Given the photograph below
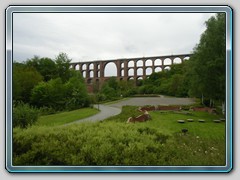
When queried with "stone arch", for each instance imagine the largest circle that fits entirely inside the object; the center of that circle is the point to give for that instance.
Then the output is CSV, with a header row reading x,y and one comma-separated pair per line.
x,y
122,72
177,60
91,74
130,78
157,69
122,65
149,62
84,67
167,68
140,63
139,81
131,64
91,66
149,71
158,62
186,58
98,66
98,73
131,72
110,69
167,61
89,81
140,71
77,67
84,74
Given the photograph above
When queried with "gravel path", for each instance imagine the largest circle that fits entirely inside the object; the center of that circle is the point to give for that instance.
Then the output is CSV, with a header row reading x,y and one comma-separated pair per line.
x,y
115,108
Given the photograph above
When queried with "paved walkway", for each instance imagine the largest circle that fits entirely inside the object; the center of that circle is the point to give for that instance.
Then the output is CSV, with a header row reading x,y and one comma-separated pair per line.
x,y
161,100
107,111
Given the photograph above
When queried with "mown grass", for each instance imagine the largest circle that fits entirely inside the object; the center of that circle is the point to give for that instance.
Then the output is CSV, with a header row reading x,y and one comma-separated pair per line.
x,y
65,117
158,141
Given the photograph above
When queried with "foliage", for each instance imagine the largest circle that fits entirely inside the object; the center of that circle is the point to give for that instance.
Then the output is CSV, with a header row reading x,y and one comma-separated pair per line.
x,y
114,142
57,95
76,92
24,79
49,94
208,62
63,66
45,66
173,82
24,115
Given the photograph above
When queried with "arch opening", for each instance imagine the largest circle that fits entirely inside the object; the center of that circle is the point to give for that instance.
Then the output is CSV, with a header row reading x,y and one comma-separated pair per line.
x,y
139,81
167,61
167,68
77,67
131,64
84,67
131,72
158,62
149,62
177,61
90,66
89,81
139,71
148,71
110,69
122,72
158,69
131,79
84,74
91,74
139,63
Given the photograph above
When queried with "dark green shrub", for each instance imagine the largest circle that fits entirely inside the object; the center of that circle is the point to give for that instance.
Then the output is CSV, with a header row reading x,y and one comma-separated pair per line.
x,y
24,115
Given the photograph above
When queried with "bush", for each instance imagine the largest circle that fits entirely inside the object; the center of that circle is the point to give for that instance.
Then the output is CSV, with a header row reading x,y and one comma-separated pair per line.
x,y
24,115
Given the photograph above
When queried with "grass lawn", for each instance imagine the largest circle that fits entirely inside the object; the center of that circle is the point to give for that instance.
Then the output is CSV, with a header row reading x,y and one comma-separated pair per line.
x,y
65,117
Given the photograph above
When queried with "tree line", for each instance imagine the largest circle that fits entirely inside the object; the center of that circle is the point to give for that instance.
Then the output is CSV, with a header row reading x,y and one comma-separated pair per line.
x,y
49,84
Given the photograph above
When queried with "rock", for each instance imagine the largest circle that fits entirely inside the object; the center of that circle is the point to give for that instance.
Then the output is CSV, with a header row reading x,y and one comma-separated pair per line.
x,y
201,120
180,121
217,121
190,120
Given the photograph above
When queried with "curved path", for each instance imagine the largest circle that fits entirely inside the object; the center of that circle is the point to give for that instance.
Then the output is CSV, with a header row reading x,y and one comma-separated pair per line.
x,y
113,109
105,112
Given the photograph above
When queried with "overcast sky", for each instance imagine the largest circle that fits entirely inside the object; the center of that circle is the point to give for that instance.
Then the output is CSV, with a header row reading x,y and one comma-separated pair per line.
x,y
102,36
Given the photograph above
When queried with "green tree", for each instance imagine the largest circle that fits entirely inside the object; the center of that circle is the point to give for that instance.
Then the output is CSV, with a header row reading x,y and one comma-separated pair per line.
x,y
209,61
63,66
45,66
49,94
24,80
76,92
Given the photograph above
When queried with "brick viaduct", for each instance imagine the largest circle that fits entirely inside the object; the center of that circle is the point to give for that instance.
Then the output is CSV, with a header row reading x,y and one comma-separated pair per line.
x,y
127,68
